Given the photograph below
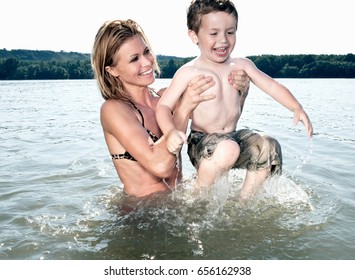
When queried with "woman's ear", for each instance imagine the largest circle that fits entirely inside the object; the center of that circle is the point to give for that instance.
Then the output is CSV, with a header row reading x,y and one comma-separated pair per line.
x,y
193,36
112,71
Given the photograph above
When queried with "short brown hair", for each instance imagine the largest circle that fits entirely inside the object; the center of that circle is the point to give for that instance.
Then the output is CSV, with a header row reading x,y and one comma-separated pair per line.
x,y
198,8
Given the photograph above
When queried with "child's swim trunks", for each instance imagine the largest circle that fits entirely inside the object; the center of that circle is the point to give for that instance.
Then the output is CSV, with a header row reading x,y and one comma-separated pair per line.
x,y
256,151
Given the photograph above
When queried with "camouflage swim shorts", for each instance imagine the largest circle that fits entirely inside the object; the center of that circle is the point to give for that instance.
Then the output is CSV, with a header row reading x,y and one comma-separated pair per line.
x,y
256,151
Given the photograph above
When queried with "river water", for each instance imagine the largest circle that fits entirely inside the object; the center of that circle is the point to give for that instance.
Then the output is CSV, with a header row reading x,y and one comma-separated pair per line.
x,y
60,195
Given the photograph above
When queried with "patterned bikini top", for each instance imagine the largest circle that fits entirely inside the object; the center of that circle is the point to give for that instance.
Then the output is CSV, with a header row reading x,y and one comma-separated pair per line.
x,y
127,155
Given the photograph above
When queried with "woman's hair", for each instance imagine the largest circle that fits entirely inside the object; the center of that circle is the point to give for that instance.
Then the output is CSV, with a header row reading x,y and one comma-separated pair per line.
x,y
108,40
198,8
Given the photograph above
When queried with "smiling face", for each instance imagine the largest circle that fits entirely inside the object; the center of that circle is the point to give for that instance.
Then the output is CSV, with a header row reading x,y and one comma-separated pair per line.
x,y
216,37
133,63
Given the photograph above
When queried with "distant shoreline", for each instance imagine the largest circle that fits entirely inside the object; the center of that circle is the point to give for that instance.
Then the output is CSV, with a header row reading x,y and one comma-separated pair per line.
x,y
47,65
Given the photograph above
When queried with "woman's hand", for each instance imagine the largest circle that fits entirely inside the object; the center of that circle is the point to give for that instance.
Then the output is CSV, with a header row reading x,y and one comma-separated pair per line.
x,y
189,100
193,93
240,81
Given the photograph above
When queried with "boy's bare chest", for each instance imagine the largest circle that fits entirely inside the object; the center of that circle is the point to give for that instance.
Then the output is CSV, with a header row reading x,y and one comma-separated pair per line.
x,y
223,90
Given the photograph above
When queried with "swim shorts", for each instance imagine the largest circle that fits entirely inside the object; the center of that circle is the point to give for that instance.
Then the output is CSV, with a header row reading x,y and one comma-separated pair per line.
x,y
257,151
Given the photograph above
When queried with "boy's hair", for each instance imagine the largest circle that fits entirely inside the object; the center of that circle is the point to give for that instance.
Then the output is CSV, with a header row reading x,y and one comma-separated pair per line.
x,y
198,8
108,40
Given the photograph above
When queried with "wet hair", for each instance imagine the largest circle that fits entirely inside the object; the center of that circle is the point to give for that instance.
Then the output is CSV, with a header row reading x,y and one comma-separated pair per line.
x,y
198,8
108,40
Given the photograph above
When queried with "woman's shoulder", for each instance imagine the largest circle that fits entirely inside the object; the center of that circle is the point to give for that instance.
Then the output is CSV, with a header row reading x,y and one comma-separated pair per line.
x,y
113,103
113,106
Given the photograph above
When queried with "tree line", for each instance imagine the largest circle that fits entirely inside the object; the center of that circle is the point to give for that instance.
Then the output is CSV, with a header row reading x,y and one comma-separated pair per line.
x,y
44,65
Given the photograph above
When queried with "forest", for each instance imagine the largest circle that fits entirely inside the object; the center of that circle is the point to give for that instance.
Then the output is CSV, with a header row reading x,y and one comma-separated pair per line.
x,y
46,65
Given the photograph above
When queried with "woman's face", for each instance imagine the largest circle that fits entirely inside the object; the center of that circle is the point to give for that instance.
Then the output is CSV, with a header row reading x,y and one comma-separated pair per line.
x,y
134,63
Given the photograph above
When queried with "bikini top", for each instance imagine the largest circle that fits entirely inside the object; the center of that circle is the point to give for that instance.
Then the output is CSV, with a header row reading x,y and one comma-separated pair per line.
x,y
127,155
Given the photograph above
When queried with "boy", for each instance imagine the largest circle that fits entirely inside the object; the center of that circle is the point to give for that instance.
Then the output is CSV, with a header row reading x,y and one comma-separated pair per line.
x,y
214,145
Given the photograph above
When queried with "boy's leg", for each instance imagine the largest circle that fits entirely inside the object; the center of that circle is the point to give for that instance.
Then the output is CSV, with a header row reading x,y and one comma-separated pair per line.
x,y
221,161
261,155
252,183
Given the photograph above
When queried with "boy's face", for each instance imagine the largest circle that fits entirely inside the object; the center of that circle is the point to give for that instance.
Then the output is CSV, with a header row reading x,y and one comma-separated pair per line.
x,y
217,36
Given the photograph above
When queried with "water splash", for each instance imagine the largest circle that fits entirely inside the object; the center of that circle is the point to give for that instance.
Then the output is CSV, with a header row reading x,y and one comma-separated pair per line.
x,y
284,191
200,220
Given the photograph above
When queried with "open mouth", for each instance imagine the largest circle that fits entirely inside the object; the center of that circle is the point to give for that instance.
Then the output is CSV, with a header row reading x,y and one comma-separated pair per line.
x,y
221,51
148,72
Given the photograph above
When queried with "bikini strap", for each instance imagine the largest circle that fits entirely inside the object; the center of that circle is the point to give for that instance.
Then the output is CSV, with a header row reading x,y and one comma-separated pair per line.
x,y
139,111
154,92
151,134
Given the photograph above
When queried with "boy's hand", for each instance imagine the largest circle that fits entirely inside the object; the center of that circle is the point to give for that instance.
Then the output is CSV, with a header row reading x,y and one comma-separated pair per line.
x,y
301,115
174,141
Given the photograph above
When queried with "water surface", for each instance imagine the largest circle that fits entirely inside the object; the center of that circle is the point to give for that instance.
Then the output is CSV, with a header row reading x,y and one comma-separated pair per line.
x,y
60,196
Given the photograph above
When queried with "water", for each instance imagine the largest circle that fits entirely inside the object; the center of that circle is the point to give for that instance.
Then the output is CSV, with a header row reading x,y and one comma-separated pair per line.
x,y
60,195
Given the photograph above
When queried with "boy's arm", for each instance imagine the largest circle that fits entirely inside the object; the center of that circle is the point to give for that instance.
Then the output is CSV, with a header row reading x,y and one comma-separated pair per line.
x,y
169,100
270,86
278,92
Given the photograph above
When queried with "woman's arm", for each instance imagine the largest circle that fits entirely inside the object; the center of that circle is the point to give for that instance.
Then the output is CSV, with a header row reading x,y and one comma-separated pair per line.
x,y
122,128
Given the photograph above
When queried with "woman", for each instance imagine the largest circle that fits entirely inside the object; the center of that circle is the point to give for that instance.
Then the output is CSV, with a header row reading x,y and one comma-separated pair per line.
x,y
125,67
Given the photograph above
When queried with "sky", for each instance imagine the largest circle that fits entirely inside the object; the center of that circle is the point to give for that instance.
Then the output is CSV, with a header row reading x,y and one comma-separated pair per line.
x,y
265,26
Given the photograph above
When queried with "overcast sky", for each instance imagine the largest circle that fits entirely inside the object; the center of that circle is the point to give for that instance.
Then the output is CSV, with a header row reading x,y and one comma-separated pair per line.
x,y
265,27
